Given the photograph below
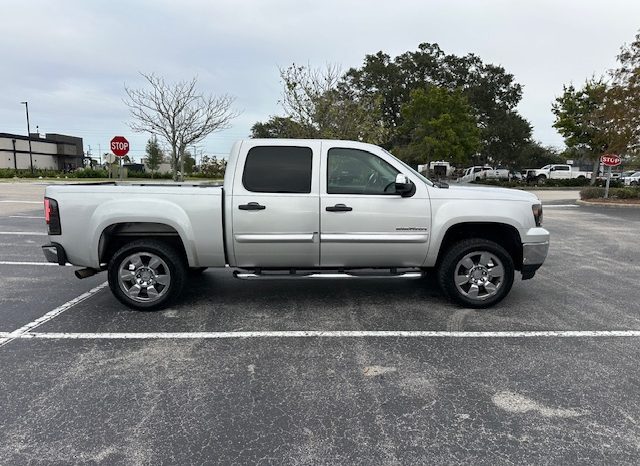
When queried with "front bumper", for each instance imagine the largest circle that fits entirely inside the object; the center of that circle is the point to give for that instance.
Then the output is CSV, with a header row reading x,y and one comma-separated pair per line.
x,y
533,256
55,253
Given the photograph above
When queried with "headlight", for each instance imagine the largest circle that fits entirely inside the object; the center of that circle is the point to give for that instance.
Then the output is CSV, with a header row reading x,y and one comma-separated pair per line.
x,y
537,214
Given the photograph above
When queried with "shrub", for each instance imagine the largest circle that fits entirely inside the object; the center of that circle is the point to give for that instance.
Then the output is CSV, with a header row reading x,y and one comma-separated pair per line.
x,y
88,173
614,193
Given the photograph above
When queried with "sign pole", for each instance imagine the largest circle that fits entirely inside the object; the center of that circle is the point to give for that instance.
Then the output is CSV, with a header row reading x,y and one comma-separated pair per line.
x,y
606,189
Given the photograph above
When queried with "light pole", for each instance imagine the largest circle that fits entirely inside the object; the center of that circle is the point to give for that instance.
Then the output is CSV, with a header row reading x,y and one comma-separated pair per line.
x,y
26,106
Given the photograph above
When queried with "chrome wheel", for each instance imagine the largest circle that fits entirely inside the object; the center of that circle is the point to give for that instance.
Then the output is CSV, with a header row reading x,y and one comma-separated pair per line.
x,y
144,277
479,275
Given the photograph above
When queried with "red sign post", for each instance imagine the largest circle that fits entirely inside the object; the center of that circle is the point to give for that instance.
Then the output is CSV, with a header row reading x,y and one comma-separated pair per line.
x,y
609,160
119,146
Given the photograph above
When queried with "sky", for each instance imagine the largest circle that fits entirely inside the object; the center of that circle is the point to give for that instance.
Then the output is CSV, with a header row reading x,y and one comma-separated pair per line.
x,y
70,59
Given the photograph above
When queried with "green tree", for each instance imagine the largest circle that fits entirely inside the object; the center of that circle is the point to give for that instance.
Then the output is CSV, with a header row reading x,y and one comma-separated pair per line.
x,y
316,106
491,92
281,127
579,119
154,155
438,124
189,163
505,142
535,155
211,167
603,115
625,96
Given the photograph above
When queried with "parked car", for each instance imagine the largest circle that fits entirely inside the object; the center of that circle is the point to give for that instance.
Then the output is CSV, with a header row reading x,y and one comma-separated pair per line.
x,y
298,209
626,174
633,179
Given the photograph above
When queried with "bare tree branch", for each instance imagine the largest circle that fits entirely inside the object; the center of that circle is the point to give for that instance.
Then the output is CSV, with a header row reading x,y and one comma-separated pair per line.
x,y
177,113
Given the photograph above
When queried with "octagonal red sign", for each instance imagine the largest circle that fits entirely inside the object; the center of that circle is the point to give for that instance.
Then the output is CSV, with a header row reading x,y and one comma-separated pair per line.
x,y
610,160
119,146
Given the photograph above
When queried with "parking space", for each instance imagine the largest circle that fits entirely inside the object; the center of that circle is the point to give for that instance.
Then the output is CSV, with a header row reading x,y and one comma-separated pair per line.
x,y
180,393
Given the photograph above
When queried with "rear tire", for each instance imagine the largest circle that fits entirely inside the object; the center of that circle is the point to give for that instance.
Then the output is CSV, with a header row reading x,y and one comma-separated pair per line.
x,y
146,275
476,273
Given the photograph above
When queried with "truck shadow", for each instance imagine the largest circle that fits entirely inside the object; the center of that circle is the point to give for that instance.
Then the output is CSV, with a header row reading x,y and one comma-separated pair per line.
x,y
314,304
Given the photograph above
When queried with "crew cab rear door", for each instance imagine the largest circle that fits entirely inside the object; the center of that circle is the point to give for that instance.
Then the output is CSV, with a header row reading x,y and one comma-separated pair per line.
x,y
275,204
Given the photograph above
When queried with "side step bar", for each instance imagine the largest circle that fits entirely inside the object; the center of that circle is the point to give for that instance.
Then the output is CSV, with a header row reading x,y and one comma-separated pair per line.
x,y
264,275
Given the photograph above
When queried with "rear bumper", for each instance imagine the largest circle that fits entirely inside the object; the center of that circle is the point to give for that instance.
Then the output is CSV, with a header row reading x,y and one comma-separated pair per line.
x,y
55,253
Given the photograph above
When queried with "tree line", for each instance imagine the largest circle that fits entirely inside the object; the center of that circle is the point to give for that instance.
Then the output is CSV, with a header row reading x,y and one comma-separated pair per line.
x,y
423,105
428,105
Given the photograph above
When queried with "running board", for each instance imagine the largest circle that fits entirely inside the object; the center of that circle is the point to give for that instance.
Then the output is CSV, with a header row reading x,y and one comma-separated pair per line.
x,y
299,275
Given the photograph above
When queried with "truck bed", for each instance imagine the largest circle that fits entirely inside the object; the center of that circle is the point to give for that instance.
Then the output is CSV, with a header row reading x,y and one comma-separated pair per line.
x,y
193,212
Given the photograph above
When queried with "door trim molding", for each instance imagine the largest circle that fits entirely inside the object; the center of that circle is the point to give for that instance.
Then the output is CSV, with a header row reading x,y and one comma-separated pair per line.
x,y
373,238
275,238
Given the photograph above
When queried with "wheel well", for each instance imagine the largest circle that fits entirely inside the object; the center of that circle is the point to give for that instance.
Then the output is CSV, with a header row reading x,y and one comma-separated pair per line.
x,y
500,233
117,235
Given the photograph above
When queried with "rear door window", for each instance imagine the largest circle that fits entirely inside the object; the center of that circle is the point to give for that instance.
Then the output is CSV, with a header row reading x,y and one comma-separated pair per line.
x,y
278,169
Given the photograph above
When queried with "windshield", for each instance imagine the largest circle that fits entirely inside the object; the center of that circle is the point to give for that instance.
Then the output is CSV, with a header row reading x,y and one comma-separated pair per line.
x,y
416,173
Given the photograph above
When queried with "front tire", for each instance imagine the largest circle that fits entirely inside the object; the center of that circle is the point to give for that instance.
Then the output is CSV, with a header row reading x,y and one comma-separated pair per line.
x,y
476,273
146,275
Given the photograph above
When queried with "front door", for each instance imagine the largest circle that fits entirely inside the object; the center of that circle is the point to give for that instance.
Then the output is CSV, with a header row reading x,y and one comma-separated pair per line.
x,y
275,214
363,222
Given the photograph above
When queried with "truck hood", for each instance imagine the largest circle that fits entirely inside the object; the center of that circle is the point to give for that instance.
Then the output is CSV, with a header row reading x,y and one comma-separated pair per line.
x,y
482,192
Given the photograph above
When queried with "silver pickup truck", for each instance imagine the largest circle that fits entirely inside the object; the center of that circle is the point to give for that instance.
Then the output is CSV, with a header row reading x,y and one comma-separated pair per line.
x,y
298,209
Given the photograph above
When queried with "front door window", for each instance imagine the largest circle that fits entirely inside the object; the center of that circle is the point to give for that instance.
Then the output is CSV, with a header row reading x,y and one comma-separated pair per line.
x,y
354,171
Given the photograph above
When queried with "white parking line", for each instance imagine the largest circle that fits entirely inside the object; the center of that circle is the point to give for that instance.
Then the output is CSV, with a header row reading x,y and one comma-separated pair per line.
x,y
329,334
25,233
15,201
49,315
552,206
26,216
30,263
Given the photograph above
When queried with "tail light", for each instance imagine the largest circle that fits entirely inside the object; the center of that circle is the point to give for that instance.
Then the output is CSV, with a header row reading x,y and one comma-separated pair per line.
x,y
52,216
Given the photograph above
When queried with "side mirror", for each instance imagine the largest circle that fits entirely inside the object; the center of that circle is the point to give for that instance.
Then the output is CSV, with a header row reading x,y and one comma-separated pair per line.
x,y
404,186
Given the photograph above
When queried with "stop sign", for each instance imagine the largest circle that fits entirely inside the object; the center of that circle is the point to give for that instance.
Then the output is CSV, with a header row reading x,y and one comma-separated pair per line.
x,y
119,146
610,160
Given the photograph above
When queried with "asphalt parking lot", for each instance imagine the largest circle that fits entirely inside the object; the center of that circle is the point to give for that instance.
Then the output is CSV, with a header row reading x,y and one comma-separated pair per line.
x,y
550,375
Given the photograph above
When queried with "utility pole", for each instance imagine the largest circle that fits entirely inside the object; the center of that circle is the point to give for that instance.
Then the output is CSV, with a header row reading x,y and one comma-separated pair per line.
x,y
26,106
15,160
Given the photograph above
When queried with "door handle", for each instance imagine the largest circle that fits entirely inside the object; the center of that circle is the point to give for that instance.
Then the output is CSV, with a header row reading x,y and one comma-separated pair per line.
x,y
339,208
251,206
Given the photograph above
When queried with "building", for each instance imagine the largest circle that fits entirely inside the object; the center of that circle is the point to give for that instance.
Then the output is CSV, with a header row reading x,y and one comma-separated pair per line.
x,y
51,152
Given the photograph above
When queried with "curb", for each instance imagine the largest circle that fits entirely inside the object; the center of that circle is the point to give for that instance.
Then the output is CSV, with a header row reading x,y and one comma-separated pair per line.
x,y
607,204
